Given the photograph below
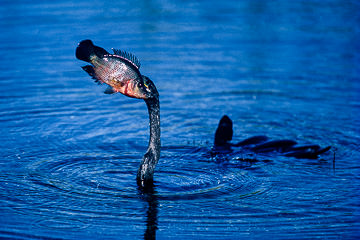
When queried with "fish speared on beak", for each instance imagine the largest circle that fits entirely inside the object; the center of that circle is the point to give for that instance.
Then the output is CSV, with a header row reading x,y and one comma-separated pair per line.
x,y
120,71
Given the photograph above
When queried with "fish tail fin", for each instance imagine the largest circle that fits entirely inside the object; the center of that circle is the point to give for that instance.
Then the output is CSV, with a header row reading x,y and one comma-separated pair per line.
x,y
86,49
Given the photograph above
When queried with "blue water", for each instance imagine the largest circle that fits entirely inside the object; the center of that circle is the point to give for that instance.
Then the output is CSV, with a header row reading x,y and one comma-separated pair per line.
x,y
69,152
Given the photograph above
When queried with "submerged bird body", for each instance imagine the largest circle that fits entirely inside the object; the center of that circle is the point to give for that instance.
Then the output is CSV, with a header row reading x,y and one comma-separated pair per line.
x,y
262,144
121,72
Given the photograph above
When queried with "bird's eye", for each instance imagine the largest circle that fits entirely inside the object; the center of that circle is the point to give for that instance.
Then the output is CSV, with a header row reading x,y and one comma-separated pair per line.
x,y
146,85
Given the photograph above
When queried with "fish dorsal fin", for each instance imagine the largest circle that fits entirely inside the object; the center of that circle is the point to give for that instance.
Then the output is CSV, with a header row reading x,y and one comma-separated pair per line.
x,y
128,56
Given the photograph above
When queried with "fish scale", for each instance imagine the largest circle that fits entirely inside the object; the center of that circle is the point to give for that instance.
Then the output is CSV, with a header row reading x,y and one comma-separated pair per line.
x,y
111,69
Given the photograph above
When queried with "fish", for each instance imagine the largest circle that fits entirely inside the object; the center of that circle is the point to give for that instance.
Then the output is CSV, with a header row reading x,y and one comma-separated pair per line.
x,y
120,70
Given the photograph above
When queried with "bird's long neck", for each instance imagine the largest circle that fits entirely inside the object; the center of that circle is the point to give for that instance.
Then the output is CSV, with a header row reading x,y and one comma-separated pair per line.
x,y
147,166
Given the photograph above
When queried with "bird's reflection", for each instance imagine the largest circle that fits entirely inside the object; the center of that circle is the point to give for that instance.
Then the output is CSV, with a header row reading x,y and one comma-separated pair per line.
x,y
148,194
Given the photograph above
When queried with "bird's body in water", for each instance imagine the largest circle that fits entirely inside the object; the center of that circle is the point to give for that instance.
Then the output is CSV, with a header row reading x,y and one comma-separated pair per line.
x,y
121,72
262,144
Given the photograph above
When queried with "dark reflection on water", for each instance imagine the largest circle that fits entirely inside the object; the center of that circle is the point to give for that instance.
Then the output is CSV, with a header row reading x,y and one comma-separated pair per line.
x,y
148,193
69,153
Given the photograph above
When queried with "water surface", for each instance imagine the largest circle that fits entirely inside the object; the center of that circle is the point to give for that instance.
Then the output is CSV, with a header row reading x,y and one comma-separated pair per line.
x,y
70,153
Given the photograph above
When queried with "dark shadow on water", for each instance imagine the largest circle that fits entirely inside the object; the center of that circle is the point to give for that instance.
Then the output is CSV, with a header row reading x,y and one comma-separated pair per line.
x,y
148,194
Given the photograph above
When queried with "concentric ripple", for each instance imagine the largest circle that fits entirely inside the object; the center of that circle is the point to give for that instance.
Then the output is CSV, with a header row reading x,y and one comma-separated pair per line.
x,y
85,176
184,173
180,175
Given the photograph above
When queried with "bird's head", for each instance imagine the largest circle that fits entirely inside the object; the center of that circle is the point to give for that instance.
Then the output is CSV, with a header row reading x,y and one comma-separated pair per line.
x,y
145,89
